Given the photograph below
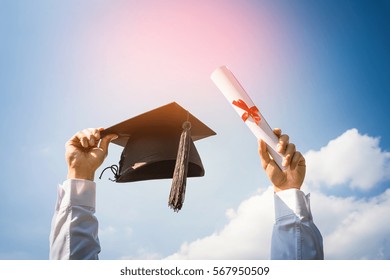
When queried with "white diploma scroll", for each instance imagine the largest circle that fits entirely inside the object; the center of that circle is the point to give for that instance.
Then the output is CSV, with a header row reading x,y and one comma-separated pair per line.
x,y
224,79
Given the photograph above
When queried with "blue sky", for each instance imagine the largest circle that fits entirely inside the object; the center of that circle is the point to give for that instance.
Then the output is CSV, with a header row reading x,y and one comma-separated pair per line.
x,y
317,69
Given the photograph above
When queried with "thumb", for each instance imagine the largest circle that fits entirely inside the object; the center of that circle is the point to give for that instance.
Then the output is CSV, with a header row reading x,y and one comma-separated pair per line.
x,y
264,156
106,141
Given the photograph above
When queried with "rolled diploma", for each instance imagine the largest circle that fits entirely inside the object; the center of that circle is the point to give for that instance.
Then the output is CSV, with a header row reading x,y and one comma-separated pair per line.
x,y
224,79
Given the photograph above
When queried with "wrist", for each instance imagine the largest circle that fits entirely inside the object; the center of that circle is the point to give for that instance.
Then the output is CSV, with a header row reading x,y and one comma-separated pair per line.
x,y
80,174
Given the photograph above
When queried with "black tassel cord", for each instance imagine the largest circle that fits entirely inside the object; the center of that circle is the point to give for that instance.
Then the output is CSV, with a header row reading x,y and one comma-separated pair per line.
x,y
114,169
178,188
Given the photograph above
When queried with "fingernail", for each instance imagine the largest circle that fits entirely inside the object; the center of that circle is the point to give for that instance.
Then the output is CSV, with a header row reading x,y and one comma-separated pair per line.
x,y
84,143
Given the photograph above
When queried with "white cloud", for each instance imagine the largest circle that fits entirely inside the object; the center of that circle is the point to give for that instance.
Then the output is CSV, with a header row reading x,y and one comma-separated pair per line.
x,y
352,228
115,240
351,159
246,235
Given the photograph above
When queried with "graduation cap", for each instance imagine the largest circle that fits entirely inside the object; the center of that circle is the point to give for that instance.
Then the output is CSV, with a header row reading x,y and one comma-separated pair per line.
x,y
159,144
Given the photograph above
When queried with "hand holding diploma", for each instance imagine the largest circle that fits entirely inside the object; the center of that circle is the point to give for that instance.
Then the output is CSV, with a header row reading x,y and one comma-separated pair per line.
x,y
284,165
293,176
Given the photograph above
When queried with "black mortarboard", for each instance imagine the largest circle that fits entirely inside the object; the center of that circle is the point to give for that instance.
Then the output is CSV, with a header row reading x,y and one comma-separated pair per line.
x,y
159,144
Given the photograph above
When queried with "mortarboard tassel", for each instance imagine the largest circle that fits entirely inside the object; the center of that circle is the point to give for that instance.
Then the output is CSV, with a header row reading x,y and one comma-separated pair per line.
x,y
114,169
178,188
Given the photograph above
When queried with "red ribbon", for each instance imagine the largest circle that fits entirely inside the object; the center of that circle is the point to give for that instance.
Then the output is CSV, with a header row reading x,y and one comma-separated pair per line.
x,y
252,111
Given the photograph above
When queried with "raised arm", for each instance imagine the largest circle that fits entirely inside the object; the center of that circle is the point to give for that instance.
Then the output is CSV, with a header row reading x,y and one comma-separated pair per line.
x,y
294,236
74,231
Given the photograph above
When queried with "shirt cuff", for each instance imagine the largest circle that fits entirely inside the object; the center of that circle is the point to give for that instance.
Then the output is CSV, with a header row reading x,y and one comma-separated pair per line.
x,y
292,202
76,192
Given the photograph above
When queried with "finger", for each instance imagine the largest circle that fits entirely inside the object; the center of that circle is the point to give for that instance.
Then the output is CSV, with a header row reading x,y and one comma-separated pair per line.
x,y
271,168
297,160
282,144
264,156
106,141
92,135
290,150
95,136
278,132
79,139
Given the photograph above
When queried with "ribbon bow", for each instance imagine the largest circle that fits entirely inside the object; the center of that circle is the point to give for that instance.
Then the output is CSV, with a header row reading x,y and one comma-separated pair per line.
x,y
252,111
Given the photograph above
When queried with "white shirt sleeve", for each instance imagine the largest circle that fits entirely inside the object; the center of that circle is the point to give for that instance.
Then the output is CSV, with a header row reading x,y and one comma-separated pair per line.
x,y
74,229
295,236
